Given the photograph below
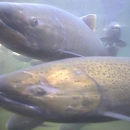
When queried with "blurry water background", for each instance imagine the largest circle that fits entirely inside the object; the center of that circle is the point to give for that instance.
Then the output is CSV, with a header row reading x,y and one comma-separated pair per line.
x,y
78,8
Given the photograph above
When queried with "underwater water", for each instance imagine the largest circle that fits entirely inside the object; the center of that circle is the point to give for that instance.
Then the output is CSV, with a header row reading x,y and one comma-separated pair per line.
x,y
78,8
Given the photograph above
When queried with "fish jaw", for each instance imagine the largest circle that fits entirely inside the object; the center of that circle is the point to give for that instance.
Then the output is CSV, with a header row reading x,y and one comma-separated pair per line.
x,y
17,103
49,98
8,35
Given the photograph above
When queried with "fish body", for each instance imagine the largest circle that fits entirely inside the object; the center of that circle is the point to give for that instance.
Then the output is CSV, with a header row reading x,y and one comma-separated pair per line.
x,y
46,33
112,35
90,89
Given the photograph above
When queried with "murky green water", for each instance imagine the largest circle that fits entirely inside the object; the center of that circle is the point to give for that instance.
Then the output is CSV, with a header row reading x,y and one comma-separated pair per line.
x,y
78,8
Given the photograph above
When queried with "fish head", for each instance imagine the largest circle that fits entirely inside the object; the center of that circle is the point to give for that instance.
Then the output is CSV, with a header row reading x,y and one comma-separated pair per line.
x,y
29,28
55,94
113,30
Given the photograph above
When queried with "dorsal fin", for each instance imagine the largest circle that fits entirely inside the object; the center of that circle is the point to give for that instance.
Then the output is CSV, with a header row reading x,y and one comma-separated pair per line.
x,y
90,20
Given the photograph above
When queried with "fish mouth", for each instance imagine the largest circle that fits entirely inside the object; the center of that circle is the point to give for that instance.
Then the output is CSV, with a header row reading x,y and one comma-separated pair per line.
x,y
12,37
19,105
11,26
8,17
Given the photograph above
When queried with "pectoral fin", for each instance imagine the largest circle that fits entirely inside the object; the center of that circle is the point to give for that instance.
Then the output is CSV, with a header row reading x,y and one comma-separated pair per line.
x,y
18,122
72,126
21,57
107,41
117,116
45,125
35,62
68,54
120,43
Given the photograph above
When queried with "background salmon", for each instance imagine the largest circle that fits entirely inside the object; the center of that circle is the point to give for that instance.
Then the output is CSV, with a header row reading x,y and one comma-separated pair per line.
x,y
112,35
46,33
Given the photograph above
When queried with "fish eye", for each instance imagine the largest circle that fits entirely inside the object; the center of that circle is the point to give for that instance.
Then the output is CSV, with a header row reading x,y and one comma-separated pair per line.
x,y
40,91
36,90
34,22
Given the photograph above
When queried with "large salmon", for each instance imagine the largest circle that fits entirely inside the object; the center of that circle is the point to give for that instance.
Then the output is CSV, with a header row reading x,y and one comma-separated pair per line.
x,y
91,89
46,33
